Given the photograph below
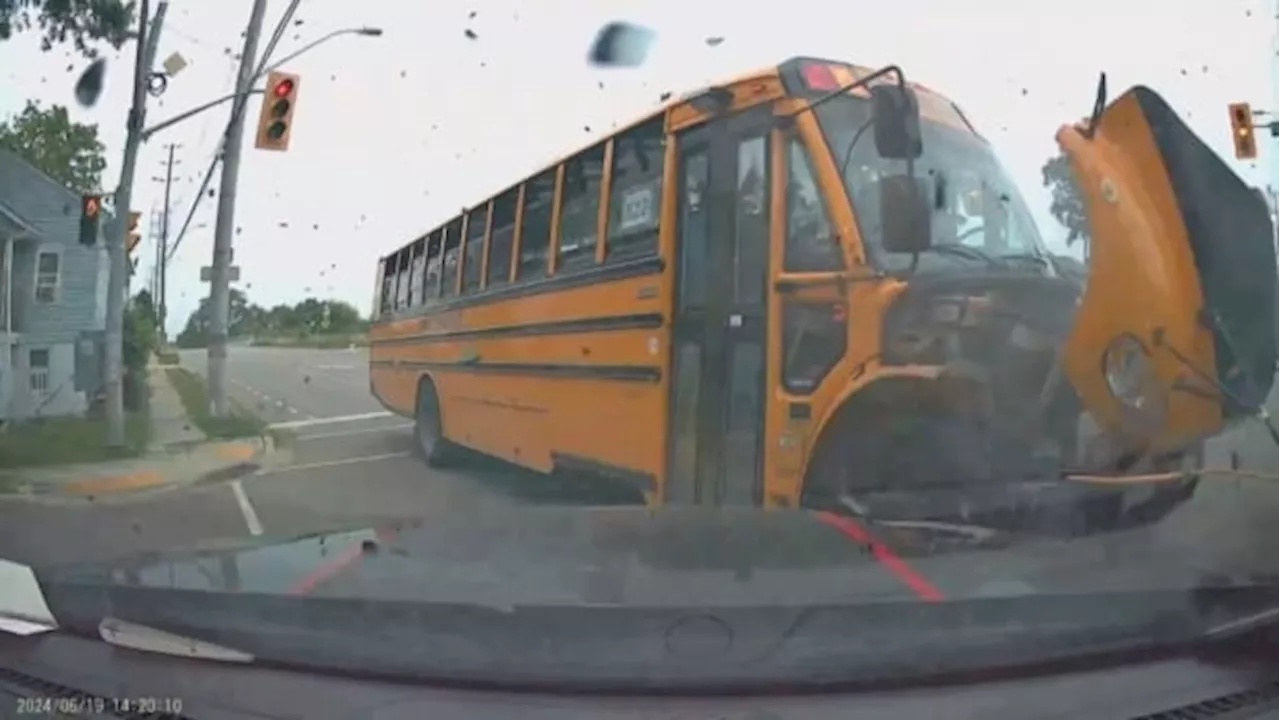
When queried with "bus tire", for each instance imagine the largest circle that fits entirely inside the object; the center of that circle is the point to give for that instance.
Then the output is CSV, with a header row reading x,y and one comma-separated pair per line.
x,y
428,429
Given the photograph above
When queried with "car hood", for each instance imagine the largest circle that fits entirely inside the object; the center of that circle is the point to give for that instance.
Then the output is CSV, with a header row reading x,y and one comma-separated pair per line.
x,y
639,597
561,556
641,557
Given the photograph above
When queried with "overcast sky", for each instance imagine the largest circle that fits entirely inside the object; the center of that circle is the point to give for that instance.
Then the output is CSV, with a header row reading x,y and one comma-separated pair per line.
x,y
394,134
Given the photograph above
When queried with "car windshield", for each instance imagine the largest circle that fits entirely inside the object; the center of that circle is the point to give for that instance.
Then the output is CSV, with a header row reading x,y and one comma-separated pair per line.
x,y
975,203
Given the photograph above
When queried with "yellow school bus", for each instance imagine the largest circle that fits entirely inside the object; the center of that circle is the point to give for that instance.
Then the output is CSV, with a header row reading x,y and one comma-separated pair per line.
x,y
793,285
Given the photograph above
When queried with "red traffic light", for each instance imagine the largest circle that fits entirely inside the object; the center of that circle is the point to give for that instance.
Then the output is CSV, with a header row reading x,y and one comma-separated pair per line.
x,y
283,89
91,205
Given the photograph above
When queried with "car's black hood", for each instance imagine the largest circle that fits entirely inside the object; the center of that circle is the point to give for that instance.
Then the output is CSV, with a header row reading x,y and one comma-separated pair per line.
x,y
567,555
641,597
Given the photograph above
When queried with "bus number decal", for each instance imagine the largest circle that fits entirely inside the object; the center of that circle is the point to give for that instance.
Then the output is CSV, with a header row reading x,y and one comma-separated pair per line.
x,y
639,208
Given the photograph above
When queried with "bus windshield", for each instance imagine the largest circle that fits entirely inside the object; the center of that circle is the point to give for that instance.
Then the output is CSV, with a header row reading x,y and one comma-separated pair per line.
x,y
979,215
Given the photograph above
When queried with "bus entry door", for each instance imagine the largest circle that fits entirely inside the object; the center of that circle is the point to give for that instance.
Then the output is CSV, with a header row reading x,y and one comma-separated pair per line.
x,y
719,334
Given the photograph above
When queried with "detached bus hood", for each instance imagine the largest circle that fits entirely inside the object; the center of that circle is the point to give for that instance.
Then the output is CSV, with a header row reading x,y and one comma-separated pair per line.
x,y
1182,279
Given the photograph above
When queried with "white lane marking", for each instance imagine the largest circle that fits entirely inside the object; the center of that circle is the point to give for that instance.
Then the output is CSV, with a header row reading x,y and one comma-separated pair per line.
x,y
335,367
325,421
361,431
334,463
246,508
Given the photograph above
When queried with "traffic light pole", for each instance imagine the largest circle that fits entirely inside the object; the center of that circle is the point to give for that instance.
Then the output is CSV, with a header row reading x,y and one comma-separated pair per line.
x,y
118,276
220,272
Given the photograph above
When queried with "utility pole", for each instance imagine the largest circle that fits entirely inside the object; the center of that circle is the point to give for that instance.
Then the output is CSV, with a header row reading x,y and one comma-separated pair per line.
x,y
118,276
153,233
220,271
162,286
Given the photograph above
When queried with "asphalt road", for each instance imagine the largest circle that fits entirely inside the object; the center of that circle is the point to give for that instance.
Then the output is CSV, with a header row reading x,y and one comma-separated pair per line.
x,y
352,465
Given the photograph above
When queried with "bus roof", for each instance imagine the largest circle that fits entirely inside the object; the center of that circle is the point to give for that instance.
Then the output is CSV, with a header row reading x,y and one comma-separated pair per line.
x,y
787,78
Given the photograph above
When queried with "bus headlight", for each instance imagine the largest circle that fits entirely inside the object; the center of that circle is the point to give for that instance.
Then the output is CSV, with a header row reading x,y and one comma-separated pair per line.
x,y
1129,372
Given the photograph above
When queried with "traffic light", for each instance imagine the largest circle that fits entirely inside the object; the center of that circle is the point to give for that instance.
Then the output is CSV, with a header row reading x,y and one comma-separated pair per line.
x,y
1242,131
275,122
132,236
90,213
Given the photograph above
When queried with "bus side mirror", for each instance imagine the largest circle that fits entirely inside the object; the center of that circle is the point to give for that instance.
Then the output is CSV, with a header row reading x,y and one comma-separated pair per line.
x,y
895,113
906,213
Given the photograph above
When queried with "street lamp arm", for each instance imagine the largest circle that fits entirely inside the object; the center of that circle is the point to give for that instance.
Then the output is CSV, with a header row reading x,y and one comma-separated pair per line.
x,y
367,31
147,133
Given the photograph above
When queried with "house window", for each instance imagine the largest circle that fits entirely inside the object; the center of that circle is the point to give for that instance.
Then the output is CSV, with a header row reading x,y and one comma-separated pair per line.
x,y
39,367
48,265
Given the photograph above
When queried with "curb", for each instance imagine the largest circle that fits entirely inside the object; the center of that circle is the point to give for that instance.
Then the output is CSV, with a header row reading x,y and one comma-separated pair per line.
x,y
241,458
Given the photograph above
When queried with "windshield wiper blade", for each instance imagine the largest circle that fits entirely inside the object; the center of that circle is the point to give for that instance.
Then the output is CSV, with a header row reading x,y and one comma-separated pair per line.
x,y
1244,624
147,639
1036,258
967,252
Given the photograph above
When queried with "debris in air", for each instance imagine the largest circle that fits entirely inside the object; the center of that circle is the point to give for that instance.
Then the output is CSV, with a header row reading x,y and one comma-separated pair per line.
x,y
471,34
621,44
89,86
714,41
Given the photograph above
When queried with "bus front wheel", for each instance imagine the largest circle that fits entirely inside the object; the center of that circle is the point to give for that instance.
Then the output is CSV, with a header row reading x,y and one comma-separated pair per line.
x,y
428,429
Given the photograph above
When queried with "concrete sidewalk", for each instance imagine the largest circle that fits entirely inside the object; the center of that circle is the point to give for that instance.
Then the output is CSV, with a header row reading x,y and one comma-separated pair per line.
x,y
178,454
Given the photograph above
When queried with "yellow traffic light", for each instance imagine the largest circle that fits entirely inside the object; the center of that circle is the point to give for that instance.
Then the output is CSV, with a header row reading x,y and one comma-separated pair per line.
x,y
275,121
1242,131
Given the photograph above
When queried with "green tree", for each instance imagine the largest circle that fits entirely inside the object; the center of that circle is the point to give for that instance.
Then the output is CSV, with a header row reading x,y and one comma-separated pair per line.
x,y
68,152
241,320
1067,206
140,340
80,22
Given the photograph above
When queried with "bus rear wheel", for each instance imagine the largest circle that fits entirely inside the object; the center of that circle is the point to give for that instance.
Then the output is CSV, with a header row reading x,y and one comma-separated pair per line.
x,y
428,429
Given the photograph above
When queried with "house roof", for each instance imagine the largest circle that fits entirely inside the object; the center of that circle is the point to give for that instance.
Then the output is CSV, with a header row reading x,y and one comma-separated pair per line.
x,y
15,224
30,194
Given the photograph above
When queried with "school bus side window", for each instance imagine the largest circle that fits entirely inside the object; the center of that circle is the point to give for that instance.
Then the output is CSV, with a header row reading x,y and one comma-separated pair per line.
x,y
475,249
504,230
452,246
635,190
416,266
535,238
402,279
580,208
434,257
812,245
388,284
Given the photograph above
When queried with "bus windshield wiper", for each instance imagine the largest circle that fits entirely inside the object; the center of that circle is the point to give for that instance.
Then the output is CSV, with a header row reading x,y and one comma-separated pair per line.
x,y
1033,257
967,252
